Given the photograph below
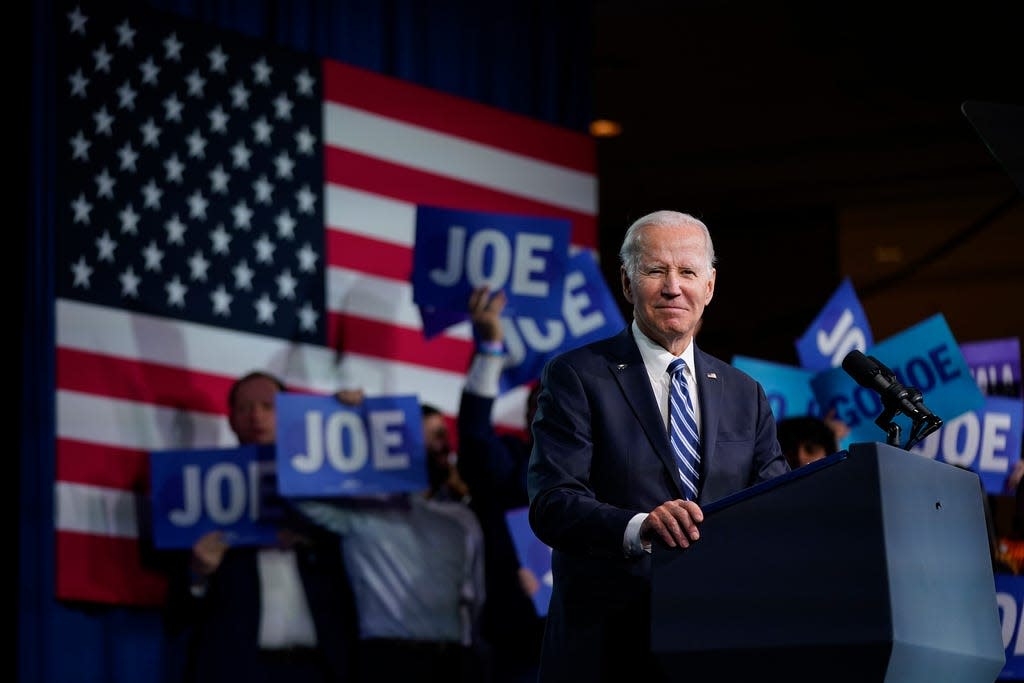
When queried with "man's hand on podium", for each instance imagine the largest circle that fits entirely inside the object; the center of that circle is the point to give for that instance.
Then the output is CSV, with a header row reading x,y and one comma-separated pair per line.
x,y
674,522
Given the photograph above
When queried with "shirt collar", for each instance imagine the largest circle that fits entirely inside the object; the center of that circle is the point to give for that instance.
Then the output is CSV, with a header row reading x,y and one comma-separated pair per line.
x,y
656,358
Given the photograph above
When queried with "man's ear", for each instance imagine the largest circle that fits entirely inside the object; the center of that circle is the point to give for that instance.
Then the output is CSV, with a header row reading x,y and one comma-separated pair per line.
x,y
711,287
627,286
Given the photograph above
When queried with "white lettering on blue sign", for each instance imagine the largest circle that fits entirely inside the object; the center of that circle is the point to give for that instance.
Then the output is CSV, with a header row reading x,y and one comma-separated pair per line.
x,y
504,271
1012,621
966,439
344,443
989,376
386,438
456,247
842,339
577,299
223,490
527,262
339,426
525,333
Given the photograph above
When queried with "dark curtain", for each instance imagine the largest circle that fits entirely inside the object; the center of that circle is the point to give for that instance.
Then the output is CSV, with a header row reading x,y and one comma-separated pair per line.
x,y
530,57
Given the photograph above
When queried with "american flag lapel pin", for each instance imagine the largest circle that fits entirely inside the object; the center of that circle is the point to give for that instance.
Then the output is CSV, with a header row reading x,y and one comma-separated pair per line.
x,y
712,375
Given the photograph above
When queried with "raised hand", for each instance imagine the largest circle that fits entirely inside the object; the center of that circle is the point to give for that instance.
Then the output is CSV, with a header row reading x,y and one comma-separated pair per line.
x,y
485,312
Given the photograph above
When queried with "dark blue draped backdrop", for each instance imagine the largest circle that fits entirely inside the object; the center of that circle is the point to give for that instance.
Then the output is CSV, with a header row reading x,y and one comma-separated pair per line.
x,y
531,57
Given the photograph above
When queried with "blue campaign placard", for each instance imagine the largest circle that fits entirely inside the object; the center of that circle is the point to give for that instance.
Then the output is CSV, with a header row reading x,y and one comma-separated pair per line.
x,y
840,327
457,251
589,312
533,555
328,449
434,322
986,441
788,388
1010,600
196,491
925,357
995,364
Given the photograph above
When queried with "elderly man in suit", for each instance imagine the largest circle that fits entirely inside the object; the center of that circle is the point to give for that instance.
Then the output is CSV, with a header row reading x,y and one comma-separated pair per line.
x,y
605,477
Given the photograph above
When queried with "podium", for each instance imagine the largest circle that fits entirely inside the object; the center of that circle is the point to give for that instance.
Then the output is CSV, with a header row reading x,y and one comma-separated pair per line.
x,y
870,565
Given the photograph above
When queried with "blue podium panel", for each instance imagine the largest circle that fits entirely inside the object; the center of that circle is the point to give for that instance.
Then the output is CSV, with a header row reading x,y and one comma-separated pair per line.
x,y
872,565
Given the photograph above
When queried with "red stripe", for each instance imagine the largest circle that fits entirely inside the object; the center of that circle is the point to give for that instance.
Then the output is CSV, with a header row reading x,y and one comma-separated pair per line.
x,y
346,249
458,117
390,342
405,184
161,385
107,570
102,465
147,382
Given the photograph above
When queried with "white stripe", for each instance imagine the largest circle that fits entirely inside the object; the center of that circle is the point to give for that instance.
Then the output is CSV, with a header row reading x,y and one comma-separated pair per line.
x,y
140,337
175,343
352,211
439,388
454,157
370,215
95,510
142,426
380,299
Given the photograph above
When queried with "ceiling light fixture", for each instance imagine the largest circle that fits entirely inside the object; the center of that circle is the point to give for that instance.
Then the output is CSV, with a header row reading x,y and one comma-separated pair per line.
x,y
605,128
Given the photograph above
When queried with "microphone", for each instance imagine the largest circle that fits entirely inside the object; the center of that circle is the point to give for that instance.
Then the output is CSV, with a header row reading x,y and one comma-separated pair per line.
x,y
869,372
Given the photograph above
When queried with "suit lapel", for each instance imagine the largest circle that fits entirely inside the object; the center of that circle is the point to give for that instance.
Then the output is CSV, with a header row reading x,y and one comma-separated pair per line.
x,y
627,366
710,387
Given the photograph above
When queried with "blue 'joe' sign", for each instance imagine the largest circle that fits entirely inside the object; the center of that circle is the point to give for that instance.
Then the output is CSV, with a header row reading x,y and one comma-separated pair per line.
x,y
196,491
457,251
926,357
533,555
589,312
787,388
326,448
840,327
986,441
1010,600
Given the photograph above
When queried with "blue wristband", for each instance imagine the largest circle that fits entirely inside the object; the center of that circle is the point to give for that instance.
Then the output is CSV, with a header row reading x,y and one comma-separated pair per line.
x,y
491,348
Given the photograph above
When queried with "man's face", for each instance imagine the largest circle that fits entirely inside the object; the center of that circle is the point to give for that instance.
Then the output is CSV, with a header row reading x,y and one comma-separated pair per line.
x,y
672,285
435,437
252,417
807,453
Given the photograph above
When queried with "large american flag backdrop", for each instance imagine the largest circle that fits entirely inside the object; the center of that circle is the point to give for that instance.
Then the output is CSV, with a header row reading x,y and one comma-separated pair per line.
x,y
225,205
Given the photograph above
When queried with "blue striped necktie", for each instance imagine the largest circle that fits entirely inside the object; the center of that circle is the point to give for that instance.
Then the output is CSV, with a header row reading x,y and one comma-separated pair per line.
x,y
682,425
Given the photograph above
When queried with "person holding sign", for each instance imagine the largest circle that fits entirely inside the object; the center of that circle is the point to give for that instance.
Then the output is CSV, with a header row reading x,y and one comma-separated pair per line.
x,y
606,480
415,560
263,614
494,466
443,474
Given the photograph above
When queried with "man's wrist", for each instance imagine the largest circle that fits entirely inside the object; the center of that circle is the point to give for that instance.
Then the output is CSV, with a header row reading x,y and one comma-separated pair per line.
x,y
632,544
490,348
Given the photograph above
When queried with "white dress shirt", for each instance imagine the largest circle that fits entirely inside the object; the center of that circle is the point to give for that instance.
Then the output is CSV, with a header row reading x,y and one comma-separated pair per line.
x,y
656,361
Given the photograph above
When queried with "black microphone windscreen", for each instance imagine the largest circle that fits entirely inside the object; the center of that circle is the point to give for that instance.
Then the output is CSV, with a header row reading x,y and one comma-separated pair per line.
x,y
859,366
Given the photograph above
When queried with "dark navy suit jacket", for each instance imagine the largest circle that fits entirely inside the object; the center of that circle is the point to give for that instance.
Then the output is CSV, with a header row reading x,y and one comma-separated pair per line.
x,y
216,637
601,455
